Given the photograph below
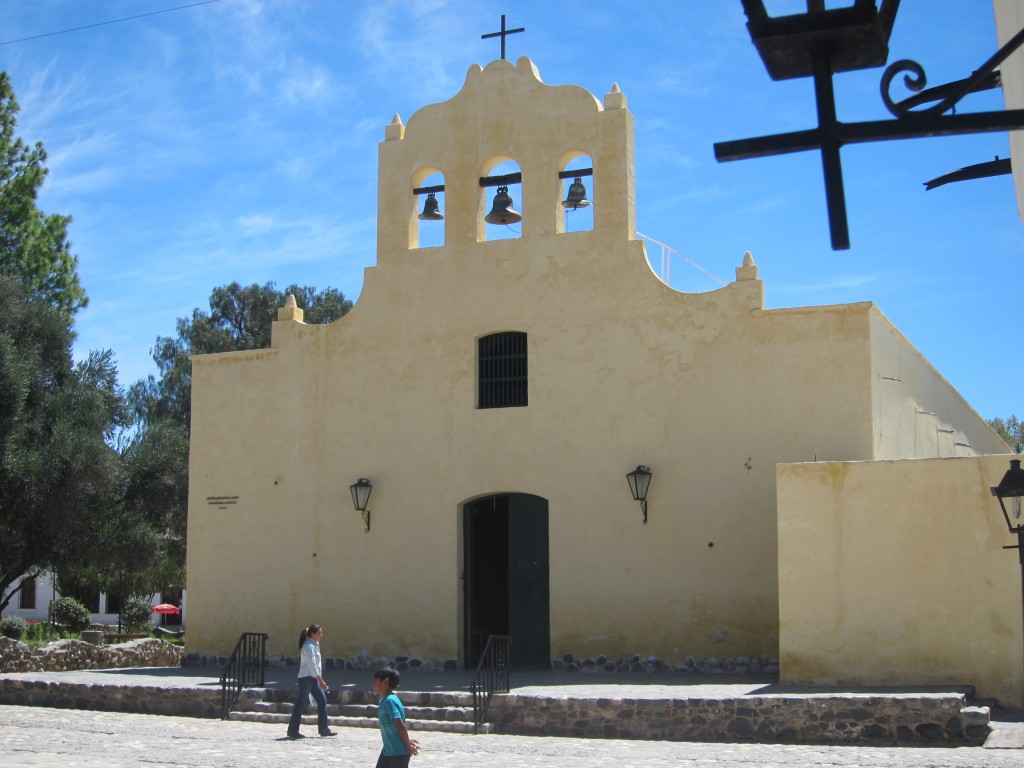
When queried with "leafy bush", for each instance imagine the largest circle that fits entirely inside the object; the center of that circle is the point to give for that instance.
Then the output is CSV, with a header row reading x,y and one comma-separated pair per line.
x,y
135,615
38,632
12,627
70,612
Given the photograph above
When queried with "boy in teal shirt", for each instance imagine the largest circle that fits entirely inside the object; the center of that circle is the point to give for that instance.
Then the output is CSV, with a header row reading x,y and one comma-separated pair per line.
x,y
398,747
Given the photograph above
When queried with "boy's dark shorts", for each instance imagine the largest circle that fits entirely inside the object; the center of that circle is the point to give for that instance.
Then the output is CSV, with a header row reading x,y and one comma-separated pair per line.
x,y
394,761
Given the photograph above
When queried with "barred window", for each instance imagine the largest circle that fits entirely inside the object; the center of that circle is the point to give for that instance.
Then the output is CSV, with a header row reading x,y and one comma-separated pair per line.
x,y
502,370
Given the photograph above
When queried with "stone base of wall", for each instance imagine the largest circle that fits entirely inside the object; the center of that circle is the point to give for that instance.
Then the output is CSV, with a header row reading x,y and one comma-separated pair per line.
x,y
811,718
141,699
640,664
362,662
69,655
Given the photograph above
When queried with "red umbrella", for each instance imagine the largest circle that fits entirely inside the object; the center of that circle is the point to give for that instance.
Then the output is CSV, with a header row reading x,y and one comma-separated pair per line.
x,y
166,608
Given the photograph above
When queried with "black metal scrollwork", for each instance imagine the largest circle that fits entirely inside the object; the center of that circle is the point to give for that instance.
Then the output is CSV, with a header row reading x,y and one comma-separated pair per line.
x,y
983,78
946,95
915,81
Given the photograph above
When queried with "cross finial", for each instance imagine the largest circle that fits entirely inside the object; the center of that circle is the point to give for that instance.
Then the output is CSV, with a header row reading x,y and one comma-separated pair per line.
x,y
503,34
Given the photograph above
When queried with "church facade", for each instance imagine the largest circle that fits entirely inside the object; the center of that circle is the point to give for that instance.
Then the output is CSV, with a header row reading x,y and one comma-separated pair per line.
x,y
495,393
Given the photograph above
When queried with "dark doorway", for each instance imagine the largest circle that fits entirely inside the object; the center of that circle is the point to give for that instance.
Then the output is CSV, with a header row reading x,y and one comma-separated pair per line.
x,y
506,577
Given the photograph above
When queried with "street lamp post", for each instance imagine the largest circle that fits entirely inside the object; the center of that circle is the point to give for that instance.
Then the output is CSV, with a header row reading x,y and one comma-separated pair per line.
x,y
1009,491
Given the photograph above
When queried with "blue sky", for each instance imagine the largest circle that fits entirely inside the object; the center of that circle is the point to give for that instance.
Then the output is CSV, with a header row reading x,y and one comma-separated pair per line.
x,y
237,140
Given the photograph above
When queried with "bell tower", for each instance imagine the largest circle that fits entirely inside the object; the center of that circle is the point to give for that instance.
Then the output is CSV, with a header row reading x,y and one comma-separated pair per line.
x,y
503,113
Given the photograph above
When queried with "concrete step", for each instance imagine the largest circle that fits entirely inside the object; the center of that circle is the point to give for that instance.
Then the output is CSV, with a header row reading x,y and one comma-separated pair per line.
x,y
445,726
450,712
464,714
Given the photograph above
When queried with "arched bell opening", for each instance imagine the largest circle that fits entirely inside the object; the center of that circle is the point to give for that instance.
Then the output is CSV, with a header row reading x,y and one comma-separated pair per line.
x,y
501,199
576,194
428,213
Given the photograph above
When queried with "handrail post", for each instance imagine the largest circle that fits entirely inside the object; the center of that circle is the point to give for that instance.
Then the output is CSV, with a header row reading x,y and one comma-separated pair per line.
x,y
492,676
245,669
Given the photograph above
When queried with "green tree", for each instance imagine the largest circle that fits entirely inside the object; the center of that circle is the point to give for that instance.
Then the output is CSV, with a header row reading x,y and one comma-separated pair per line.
x,y
1011,430
148,552
240,317
33,246
154,484
57,471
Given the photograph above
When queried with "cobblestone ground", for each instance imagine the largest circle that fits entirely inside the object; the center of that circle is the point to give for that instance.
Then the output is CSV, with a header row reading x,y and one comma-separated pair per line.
x,y
37,736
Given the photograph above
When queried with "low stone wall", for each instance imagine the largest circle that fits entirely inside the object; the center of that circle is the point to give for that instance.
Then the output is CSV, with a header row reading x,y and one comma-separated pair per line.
x,y
142,699
69,655
815,719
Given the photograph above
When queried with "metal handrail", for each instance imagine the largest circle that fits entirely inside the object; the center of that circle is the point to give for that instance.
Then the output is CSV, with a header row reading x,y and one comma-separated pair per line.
x,y
491,676
243,670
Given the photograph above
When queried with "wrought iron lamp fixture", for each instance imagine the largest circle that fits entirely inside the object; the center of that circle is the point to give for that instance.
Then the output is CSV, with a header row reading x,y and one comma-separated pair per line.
x,y
1009,491
639,481
821,42
360,497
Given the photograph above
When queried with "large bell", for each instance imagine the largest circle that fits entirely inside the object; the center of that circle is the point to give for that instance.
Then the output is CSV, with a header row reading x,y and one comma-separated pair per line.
x,y
431,209
502,211
577,197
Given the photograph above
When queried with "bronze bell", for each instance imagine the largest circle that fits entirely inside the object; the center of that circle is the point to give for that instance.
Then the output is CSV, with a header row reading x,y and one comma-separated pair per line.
x,y
577,197
502,211
431,210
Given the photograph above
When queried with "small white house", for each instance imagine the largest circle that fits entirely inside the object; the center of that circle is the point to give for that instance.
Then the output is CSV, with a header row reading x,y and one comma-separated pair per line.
x,y
32,602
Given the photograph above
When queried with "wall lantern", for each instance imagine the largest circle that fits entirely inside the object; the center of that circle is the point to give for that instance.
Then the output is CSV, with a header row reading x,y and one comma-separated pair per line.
x,y
1009,491
360,496
639,481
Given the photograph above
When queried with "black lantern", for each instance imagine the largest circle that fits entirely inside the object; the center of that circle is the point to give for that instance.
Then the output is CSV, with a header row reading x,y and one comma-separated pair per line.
x,y
855,37
1009,492
360,497
639,481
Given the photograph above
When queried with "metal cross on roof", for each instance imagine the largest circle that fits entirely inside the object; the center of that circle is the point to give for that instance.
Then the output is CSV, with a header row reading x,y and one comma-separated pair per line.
x,y
503,34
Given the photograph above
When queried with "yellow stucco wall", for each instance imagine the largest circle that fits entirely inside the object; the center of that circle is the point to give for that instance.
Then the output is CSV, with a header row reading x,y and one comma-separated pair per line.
x,y
892,572
917,414
709,390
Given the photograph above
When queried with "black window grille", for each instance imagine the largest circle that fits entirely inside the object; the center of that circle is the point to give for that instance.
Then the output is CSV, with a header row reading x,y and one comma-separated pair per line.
x,y
502,364
28,594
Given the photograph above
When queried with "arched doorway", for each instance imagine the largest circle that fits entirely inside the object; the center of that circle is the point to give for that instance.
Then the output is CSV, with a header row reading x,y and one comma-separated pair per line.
x,y
505,577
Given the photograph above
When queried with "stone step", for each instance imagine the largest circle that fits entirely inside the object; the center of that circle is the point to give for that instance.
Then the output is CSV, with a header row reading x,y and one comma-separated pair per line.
x,y
456,714
409,698
445,726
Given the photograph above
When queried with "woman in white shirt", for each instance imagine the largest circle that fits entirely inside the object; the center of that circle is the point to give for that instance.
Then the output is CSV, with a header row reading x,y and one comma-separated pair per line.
x,y
311,682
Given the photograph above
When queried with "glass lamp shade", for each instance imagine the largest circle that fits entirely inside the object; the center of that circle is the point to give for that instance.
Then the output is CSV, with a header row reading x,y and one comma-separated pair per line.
x,y
361,493
639,480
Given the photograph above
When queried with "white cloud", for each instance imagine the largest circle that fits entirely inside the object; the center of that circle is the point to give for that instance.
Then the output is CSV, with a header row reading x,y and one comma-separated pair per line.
x,y
256,224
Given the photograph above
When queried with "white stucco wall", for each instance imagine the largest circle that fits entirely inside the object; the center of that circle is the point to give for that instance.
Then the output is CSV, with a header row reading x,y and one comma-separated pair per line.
x,y
1010,21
